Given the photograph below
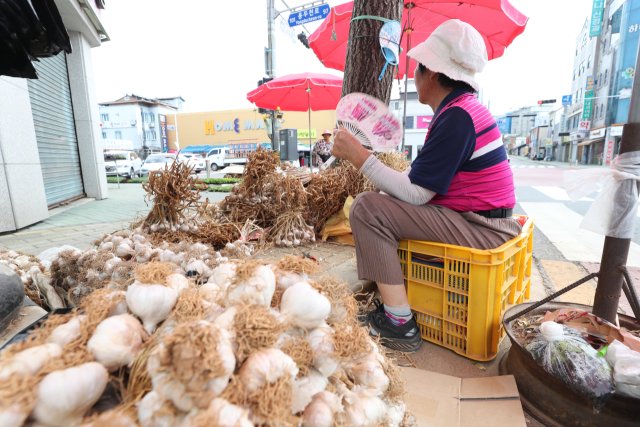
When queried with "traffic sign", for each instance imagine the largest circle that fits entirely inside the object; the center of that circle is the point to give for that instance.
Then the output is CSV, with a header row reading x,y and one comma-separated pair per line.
x,y
309,15
288,31
566,99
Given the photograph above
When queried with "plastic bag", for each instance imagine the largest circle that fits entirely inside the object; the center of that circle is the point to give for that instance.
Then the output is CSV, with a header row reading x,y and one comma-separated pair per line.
x,y
613,213
564,353
626,368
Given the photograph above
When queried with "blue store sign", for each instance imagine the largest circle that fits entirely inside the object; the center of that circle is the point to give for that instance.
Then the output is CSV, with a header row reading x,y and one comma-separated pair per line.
x,y
309,15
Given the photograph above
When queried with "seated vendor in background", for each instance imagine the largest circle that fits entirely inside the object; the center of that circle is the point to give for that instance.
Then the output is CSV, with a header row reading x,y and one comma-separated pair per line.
x,y
322,148
459,190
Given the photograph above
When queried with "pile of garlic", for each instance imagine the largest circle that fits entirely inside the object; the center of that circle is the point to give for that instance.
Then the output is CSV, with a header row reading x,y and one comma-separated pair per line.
x,y
201,369
24,265
188,224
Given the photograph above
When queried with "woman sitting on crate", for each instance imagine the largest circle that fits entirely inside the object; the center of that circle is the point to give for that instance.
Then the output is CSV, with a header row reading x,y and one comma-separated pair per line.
x,y
459,190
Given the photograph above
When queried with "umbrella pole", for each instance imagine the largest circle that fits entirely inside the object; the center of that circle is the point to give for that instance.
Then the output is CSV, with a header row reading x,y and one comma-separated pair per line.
x,y
309,104
406,80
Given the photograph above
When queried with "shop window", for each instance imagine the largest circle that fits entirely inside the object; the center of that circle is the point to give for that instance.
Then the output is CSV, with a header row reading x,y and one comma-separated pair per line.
x,y
600,79
104,135
154,135
589,61
606,73
574,75
601,110
568,124
104,117
118,134
152,117
596,114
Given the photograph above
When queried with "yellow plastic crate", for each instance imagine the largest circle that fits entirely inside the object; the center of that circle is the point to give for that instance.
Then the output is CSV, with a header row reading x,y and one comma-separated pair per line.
x,y
460,302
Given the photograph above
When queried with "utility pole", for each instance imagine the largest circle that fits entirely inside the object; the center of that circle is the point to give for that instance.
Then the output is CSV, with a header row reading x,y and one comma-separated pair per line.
x,y
271,63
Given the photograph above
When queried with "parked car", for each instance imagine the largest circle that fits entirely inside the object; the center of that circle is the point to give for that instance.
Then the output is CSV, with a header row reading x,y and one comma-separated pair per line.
x,y
128,163
196,161
156,162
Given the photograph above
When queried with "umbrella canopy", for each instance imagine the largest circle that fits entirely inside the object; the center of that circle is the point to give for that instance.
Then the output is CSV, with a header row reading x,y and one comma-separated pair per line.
x,y
299,92
497,21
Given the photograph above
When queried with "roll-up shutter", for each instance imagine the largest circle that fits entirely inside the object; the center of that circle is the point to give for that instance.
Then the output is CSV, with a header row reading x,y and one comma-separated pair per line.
x,y
55,130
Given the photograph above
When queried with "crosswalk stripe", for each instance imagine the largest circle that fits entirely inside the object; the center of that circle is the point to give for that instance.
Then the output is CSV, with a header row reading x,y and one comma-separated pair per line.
x,y
561,226
558,193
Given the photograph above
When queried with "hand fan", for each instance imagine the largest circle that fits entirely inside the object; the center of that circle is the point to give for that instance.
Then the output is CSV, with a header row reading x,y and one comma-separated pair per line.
x,y
370,121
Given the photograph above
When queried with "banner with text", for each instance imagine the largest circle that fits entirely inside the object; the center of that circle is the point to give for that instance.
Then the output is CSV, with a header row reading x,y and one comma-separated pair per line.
x,y
596,18
588,103
304,134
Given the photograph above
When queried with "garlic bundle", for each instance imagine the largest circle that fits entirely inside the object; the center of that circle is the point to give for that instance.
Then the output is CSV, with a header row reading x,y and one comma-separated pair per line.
x,y
266,366
221,413
152,414
322,345
117,341
258,289
223,274
151,303
29,361
67,332
65,396
321,411
368,372
363,406
305,306
125,251
121,307
305,388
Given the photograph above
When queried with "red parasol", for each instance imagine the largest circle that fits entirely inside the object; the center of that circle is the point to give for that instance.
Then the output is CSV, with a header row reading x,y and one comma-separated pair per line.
x,y
299,92
497,21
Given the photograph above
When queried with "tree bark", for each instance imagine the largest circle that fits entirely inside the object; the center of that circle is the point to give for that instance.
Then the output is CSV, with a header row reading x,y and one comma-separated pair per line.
x,y
364,57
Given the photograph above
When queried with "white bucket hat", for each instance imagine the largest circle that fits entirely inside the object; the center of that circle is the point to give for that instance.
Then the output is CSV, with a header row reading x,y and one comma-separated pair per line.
x,y
455,49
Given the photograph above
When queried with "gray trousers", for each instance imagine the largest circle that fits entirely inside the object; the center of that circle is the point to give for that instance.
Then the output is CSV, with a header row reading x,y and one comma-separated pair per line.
x,y
379,221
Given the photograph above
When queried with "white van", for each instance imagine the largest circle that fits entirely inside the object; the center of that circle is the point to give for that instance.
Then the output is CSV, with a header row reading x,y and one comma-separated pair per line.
x,y
221,157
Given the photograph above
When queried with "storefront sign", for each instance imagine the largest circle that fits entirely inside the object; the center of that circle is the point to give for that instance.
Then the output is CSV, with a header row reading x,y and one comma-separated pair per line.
x,y
591,83
304,133
588,103
309,15
211,127
609,151
163,132
616,131
597,133
596,18
576,136
424,122
583,126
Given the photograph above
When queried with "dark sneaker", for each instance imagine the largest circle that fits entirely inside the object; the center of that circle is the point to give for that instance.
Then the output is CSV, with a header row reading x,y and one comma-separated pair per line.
x,y
391,335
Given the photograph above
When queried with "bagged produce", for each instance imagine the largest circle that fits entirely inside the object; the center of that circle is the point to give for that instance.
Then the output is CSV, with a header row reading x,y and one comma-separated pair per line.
x,y
626,368
564,353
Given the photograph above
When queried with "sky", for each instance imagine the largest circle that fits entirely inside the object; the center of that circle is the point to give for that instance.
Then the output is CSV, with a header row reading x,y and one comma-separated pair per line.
x,y
211,52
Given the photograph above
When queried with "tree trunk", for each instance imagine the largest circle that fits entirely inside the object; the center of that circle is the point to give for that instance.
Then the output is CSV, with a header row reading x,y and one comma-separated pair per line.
x,y
364,56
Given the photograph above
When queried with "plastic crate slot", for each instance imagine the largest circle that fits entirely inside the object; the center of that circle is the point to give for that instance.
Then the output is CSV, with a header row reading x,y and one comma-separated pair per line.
x,y
458,283
402,254
457,314
426,274
454,298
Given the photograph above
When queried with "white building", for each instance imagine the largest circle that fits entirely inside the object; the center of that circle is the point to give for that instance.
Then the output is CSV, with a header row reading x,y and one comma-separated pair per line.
x,y
50,145
418,119
140,120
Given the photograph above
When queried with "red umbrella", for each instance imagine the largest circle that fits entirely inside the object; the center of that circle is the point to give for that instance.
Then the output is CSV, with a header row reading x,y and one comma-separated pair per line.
x,y
497,21
299,92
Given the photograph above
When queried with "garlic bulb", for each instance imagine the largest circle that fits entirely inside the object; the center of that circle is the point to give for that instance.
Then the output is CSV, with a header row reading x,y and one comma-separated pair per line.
x,y
29,361
124,251
321,411
173,391
117,341
65,396
363,406
178,282
305,388
138,238
150,414
288,278
67,332
116,240
110,264
221,413
395,414
151,303
368,373
258,289
322,344
266,366
211,292
12,416
121,307
305,306
223,274
107,246
167,256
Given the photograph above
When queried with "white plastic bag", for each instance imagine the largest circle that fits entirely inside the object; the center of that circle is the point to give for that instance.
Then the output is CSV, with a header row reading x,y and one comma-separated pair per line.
x,y
626,368
613,213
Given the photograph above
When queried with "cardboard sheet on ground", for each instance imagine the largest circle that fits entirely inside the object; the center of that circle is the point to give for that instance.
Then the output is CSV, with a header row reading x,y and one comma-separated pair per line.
x,y
438,400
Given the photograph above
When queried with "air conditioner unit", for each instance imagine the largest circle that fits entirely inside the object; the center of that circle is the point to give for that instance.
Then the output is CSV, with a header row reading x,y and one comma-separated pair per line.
x,y
152,125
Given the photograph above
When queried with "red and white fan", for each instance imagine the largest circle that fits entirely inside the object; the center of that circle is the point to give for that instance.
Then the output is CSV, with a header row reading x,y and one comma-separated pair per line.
x,y
370,121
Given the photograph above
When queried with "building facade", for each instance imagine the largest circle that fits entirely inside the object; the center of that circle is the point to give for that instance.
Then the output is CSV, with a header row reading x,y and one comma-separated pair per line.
x,y
140,120
50,145
244,129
